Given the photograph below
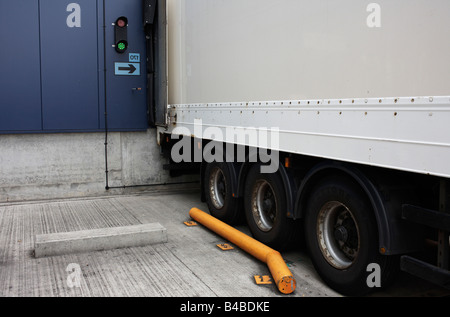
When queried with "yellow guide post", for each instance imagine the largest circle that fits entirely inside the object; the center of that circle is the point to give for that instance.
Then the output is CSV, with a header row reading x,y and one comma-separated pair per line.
x,y
280,272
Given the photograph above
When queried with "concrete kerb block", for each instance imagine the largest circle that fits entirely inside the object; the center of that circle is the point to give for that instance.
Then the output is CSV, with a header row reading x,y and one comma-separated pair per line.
x,y
99,239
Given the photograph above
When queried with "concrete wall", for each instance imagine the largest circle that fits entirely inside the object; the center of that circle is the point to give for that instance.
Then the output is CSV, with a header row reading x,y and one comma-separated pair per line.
x,y
47,166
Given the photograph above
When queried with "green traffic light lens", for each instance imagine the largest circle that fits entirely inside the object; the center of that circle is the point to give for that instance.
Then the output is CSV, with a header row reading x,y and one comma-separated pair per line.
x,y
121,46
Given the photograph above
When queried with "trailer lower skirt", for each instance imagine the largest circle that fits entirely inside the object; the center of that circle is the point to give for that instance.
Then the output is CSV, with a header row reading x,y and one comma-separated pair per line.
x,y
425,271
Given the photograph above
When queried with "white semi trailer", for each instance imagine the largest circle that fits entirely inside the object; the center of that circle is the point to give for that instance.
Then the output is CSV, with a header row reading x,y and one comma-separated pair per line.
x,y
324,120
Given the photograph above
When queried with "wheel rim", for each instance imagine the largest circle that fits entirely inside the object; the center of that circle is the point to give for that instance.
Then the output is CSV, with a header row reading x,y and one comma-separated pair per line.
x,y
264,205
217,188
338,235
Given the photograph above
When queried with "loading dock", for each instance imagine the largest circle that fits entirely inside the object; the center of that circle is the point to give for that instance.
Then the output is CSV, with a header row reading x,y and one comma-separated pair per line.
x,y
188,265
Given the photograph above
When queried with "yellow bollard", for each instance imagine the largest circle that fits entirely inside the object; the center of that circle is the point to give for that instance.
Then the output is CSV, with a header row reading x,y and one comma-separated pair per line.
x,y
280,272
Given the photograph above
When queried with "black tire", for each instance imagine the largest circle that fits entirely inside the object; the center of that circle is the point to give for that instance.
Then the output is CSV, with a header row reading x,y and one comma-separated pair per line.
x,y
342,237
219,196
266,208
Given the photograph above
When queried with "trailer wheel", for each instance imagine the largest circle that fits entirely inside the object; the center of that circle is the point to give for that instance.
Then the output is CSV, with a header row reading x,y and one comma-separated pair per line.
x,y
342,237
265,209
219,197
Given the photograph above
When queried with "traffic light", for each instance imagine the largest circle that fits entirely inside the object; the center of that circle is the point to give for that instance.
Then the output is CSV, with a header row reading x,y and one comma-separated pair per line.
x,y
121,34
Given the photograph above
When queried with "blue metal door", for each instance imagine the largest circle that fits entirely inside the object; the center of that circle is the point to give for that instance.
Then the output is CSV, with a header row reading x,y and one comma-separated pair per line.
x,y
69,59
126,72
60,71
20,90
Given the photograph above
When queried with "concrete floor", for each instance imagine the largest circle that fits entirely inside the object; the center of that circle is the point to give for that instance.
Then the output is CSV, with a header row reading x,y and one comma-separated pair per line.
x,y
188,265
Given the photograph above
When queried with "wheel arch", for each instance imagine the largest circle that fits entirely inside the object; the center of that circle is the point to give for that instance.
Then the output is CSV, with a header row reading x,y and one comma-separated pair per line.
x,y
352,173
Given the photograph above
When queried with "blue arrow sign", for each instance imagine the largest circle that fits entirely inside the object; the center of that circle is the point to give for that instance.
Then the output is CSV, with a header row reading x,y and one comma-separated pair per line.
x,y
127,69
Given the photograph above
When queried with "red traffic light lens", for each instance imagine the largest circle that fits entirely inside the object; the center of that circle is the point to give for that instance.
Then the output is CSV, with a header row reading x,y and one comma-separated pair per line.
x,y
121,22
